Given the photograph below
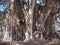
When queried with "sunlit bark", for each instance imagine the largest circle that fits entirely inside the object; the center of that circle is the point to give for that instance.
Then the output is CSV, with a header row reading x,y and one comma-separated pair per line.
x,y
8,32
29,20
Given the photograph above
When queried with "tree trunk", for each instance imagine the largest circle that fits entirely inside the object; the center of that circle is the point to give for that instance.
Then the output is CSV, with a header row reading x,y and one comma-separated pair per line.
x,y
29,20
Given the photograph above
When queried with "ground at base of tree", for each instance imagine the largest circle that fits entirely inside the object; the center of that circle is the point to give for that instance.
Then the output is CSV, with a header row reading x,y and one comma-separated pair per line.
x,y
53,42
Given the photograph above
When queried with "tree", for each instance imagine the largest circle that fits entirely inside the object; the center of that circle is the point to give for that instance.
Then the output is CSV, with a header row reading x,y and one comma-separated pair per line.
x,y
28,11
23,17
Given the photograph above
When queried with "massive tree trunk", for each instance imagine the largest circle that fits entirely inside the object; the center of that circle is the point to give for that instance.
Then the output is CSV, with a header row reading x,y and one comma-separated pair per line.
x,y
8,22
29,19
11,21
